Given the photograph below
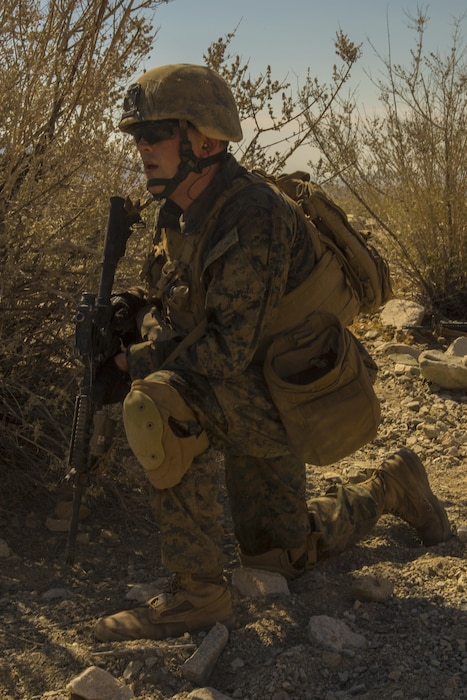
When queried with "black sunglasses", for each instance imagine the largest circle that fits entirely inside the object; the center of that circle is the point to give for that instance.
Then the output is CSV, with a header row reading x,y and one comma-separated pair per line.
x,y
153,132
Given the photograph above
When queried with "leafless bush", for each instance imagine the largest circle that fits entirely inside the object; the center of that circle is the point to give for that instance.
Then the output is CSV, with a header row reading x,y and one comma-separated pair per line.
x,y
407,164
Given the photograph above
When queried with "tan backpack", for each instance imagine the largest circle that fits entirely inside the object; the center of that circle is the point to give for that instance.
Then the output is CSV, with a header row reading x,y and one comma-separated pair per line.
x,y
350,277
319,376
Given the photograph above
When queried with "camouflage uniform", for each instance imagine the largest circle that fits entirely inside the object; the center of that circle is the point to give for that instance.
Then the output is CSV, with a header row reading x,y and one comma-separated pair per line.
x,y
258,251
215,282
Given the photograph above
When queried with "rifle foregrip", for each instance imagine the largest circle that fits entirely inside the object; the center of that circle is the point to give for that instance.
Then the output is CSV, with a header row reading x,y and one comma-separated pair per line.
x,y
78,460
81,433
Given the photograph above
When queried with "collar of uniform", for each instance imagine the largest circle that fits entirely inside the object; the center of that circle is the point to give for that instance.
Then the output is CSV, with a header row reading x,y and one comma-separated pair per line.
x,y
191,220
170,215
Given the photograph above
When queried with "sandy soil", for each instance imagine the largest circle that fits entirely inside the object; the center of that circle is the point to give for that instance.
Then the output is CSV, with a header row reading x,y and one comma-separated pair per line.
x,y
416,640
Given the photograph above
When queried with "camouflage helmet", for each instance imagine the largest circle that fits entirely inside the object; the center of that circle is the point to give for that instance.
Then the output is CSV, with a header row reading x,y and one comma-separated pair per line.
x,y
192,93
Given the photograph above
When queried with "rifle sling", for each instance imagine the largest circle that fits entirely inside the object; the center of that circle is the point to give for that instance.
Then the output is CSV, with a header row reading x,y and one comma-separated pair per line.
x,y
188,340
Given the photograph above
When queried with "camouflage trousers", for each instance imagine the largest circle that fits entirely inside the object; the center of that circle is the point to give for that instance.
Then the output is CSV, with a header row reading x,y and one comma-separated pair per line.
x,y
265,485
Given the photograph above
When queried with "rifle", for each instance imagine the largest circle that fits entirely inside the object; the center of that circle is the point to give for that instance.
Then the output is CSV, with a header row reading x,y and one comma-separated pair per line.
x,y
446,329
453,328
93,429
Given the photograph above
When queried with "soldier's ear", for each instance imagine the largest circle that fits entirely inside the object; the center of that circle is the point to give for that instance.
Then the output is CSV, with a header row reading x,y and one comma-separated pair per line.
x,y
211,146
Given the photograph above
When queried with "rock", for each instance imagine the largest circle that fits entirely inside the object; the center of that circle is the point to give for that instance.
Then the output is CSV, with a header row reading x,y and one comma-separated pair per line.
x,y
83,538
413,405
64,509
458,347
54,593
371,589
8,585
256,582
142,592
131,671
96,684
395,675
405,369
57,525
447,371
400,349
60,520
431,431
200,665
333,634
207,694
372,335
404,359
401,313
5,551
331,658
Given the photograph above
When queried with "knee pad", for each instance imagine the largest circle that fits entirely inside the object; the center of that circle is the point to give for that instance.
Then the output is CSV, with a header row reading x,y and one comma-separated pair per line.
x,y
162,431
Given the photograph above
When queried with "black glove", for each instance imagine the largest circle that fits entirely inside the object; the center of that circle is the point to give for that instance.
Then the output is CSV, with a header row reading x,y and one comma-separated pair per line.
x,y
111,385
125,306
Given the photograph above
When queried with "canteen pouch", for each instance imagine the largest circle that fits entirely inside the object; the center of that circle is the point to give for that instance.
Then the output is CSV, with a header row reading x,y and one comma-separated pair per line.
x,y
322,390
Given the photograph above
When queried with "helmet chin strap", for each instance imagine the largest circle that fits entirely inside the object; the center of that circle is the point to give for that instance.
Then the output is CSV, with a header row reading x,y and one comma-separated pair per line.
x,y
189,163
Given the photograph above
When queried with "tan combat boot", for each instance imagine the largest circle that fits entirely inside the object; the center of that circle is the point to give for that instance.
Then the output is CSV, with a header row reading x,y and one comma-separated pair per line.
x,y
194,605
407,493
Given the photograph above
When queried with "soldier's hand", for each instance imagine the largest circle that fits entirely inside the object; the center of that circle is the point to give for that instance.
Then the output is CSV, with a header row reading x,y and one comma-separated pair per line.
x,y
121,361
125,306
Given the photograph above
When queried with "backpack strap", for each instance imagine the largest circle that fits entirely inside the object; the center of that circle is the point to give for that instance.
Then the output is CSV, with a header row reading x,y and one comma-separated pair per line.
x,y
192,337
198,331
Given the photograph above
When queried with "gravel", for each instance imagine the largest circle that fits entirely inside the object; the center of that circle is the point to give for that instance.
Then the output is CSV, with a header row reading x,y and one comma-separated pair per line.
x,y
416,638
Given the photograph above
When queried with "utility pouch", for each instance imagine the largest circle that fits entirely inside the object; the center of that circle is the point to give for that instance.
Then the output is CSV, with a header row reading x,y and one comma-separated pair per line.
x,y
102,434
323,392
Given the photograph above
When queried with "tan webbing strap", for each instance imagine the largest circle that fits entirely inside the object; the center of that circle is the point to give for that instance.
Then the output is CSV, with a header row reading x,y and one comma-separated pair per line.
x,y
238,184
188,340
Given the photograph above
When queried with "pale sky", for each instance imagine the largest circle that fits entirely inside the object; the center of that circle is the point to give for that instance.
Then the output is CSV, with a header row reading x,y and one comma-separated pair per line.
x,y
292,36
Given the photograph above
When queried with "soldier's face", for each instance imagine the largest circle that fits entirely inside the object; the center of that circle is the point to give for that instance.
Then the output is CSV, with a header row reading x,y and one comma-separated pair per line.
x,y
160,159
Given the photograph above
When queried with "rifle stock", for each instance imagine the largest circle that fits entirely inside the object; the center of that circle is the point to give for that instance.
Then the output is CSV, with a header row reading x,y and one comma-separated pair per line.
x,y
92,428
